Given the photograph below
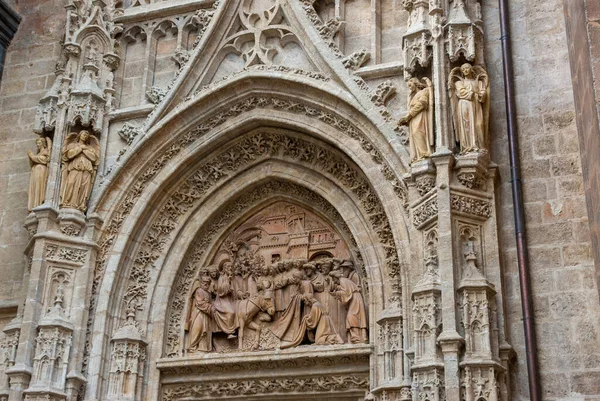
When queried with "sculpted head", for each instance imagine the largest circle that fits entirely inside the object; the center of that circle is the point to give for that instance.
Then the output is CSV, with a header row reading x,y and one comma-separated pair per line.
x,y
466,69
414,84
205,283
325,267
84,136
213,272
41,144
309,269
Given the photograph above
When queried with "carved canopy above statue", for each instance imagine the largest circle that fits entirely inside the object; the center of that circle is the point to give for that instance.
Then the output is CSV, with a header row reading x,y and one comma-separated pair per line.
x,y
283,278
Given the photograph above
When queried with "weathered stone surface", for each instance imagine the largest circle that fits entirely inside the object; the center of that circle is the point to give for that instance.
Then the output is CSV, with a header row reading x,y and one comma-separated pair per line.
x,y
210,116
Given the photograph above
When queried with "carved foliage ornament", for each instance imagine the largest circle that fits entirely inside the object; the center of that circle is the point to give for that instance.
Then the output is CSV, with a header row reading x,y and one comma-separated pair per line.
x,y
122,210
224,389
472,206
60,253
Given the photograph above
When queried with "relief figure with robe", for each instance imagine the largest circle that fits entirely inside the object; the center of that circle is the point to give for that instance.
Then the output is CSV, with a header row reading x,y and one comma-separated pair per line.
x,y
199,318
349,294
225,308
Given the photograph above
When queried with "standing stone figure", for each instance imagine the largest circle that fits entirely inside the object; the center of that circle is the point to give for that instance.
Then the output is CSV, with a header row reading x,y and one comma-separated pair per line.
x,y
80,159
349,294
199,318
419,118
39,172
469,88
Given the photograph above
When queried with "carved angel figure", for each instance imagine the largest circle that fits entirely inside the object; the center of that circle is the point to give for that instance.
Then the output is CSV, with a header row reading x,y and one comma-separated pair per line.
x,y
39,172
469,89
419,118
80,158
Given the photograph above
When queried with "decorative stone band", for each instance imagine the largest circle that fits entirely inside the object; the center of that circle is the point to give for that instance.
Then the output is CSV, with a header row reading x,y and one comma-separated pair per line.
x,y
261,388
63,253
471,206
313,373
425,212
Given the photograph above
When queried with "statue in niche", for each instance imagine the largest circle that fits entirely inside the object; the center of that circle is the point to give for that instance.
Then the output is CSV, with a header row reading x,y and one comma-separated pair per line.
x,y
198,323
419,119
469,91
39,172
309,293
80,159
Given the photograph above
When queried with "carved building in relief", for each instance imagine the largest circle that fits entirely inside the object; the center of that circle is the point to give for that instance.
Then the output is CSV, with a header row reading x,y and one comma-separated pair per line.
x,y
262,200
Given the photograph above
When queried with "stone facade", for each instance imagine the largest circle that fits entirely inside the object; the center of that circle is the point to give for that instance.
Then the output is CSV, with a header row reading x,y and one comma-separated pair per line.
x,y
224,205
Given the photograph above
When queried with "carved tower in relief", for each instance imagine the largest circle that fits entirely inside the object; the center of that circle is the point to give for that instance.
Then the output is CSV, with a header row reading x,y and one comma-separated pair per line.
x,y
256,199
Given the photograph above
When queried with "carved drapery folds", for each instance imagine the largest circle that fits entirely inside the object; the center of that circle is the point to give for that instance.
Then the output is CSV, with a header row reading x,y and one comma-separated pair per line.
x,y
420,119
80,159
468,87
39,172
280,280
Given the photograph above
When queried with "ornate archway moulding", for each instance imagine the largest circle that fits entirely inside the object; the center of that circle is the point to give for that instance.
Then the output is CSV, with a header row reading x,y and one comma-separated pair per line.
x,y
313,102
239,155
138,284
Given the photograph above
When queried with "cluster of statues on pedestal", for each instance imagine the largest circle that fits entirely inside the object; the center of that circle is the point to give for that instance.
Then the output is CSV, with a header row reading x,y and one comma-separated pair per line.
x,y
297,301
468,88
79,160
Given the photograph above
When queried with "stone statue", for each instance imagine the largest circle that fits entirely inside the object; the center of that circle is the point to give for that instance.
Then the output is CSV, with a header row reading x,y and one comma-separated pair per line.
x,y
419,118
39,172
468,87
80,159
349,294
199,318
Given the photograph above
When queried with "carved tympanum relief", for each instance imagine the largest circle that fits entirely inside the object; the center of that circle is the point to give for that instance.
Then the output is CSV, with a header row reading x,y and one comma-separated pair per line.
x,y
282,279
39,172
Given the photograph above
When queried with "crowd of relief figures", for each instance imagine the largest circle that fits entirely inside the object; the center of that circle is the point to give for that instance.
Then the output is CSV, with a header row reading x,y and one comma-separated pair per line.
x,y
277,282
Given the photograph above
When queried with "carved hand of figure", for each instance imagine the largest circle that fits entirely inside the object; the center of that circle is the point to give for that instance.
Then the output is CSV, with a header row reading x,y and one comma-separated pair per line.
x,y
404,120
464,92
